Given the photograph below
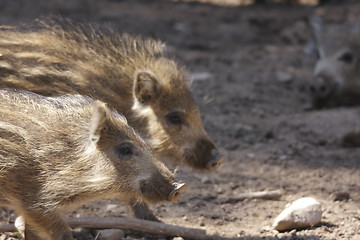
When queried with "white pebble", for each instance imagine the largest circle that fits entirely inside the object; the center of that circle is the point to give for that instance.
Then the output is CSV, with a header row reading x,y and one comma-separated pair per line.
x,y
20,225
302,213
178,238
111,207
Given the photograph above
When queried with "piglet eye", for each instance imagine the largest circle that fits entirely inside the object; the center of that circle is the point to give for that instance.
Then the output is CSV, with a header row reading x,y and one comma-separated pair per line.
x,y
125,151
347,58
174,119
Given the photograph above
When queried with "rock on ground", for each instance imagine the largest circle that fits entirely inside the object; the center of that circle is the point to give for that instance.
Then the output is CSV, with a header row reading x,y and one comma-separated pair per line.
x,y
302,213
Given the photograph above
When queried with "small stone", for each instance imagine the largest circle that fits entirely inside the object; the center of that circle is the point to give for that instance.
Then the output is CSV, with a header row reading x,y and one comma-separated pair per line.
x,y
284,77
302,213
111,207
250,155
20,225
12,217
200,76
178,238
205,180
111,234
181,27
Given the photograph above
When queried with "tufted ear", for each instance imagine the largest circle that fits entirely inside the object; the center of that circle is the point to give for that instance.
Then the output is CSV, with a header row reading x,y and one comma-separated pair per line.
x,y
146,87
317,30
98,121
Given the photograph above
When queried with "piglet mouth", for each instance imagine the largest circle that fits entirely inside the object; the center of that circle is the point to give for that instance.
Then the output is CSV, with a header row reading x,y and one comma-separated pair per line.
x,y
158,191
210,161
215,161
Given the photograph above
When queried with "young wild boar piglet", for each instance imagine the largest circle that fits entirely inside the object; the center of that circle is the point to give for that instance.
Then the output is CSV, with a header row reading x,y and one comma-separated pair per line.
x,y
56,152
336,78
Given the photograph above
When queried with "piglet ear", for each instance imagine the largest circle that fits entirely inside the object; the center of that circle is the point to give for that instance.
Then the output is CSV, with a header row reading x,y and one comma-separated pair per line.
x,y
317,31
98,121
146,87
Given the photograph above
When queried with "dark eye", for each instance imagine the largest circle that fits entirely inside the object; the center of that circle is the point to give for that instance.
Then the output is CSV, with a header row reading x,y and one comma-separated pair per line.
x,y
175,118
125,151
347,58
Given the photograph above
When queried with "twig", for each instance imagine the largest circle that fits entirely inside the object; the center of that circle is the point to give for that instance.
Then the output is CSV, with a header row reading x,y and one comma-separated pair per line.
x,y
8,228
133,224
263,195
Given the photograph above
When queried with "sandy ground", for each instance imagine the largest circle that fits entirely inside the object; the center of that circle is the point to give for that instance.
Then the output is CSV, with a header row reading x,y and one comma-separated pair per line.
x,y
249,70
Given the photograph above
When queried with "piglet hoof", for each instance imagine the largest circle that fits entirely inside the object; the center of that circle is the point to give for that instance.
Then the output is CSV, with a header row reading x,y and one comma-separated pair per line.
x,y
142,211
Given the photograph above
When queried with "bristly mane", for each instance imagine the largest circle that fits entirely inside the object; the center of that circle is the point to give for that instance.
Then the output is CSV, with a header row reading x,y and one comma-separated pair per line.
x,y
108,42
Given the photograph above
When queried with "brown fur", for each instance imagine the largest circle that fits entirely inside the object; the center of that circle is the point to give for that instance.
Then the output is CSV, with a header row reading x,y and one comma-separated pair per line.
x,y
337,72
130,74
62,151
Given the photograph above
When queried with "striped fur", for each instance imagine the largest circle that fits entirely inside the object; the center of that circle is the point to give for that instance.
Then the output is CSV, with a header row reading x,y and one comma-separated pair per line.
x,y
58,152
55,57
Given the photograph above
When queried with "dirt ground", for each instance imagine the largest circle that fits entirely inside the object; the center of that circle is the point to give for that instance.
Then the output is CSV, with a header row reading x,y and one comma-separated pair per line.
x,y
249,69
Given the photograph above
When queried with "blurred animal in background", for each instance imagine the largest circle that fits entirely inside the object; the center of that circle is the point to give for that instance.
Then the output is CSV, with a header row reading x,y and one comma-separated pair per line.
x,y
336,77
